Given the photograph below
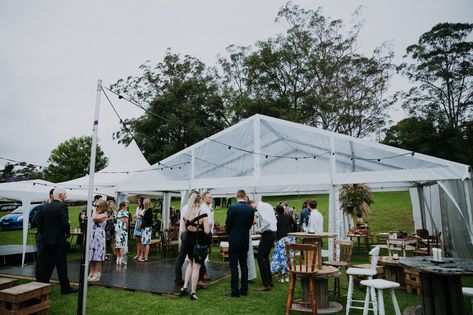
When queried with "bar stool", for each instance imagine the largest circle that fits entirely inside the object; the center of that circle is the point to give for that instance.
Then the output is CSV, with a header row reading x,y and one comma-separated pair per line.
x,y
370,273
302,262
380,285
468,292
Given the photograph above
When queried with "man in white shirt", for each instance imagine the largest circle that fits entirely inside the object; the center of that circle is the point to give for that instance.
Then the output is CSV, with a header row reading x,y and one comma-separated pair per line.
x,y
316,220
267,227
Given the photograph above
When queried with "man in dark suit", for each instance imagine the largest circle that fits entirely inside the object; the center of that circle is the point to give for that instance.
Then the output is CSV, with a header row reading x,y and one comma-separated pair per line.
x,y
53,227
240,218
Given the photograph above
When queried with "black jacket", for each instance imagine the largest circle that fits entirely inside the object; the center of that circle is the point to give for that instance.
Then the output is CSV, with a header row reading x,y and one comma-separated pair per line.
x,y
285,225
148,218
52,220
240,218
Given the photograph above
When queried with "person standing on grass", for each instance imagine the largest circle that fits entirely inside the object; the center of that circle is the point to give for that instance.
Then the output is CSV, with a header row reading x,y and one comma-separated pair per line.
x,y
181,256
206,207
147,226
121,233
285,225
53,227
97,241
267,227
138,228
197,227
240,218
316,220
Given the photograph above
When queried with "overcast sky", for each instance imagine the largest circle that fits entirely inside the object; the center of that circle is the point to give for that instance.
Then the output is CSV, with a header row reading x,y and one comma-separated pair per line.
x,y
53,52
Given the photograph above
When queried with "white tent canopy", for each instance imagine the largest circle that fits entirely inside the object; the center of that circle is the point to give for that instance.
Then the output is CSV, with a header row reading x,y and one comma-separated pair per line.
x,y
130,160
265,155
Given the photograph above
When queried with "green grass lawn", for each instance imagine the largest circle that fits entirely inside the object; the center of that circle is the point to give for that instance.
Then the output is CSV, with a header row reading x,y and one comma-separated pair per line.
x,y
391,212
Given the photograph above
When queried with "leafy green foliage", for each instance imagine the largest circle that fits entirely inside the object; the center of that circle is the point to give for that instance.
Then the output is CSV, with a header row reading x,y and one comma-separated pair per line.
x,y
423,136
312,74
442,68
183,103
71,160
356,199
19,171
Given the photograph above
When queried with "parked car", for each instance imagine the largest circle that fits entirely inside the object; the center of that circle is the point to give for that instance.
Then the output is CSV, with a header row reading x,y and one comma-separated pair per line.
x,y
14,220
9,206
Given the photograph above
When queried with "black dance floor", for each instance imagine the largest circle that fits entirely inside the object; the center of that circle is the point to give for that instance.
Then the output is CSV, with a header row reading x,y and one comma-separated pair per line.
x,y
11,254
155,276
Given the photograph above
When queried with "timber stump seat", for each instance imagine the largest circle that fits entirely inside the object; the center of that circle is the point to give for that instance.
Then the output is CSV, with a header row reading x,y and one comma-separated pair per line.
x,y
26,298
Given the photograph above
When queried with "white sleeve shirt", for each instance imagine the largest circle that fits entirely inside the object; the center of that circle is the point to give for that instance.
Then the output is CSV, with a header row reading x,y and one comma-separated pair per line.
x,y
266,218
205,208
316,222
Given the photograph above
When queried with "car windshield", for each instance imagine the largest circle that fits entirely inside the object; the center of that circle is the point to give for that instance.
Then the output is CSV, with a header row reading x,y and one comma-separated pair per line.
x,y
18,210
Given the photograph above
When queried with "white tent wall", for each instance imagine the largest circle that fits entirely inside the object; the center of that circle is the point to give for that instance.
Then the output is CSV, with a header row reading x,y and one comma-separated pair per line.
x,y
269,156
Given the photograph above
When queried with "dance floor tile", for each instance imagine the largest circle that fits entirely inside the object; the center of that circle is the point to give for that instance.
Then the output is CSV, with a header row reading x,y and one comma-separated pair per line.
x,y
156,276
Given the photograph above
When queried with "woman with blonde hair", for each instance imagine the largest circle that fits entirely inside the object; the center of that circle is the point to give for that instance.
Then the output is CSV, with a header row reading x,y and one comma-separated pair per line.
x,y
147,226
97,243
195,242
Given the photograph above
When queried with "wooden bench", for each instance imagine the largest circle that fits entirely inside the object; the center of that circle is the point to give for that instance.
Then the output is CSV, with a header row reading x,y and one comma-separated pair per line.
x,y
412,281
6,283
26,298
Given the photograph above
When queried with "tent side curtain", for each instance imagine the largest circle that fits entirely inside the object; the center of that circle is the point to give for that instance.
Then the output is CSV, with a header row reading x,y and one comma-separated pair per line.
x,y
455,199
444,209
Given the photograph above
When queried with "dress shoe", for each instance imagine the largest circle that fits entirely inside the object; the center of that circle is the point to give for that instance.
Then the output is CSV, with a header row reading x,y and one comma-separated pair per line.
x,y
69,291
232,295
193,297
263,288
183,291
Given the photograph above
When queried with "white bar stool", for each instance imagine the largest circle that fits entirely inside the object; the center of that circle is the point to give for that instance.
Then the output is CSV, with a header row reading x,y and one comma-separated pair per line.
x,y
380,285
468,292
370,273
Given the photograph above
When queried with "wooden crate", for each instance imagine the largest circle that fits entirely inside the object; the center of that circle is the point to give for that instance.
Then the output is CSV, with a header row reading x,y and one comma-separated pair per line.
x,y
412,281
27,298
6,283
224,250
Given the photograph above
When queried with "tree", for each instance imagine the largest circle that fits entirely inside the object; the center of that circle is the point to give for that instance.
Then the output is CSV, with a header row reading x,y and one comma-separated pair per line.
x,y
424,136
312,74
442,68
20,171
182,104
71,159
415,134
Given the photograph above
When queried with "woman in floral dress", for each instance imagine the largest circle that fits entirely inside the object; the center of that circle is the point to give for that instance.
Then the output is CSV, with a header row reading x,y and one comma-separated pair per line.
x,y
285,225
121,233
97,242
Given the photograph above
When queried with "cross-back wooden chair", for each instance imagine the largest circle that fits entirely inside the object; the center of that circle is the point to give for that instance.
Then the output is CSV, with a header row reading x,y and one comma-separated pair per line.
x,y
302,261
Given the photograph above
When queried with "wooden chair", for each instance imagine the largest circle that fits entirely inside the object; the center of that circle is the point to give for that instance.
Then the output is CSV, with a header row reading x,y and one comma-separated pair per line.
x,y
168,246
396,246
342,259
302,262
424,242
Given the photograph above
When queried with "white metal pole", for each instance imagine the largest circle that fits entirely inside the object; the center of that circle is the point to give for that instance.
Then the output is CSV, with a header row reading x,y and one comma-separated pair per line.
x,y
91,192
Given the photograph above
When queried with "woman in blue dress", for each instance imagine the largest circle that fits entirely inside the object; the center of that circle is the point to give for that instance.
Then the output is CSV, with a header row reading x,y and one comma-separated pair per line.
x,y
285,225
97,242
138,228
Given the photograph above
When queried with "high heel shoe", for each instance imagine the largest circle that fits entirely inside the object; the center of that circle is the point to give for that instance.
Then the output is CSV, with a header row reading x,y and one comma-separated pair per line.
x,y
96,277
183,291
193,297
136,257
91,276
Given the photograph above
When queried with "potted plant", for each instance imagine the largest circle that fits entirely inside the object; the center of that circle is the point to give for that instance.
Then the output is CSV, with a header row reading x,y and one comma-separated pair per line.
x,y
356,199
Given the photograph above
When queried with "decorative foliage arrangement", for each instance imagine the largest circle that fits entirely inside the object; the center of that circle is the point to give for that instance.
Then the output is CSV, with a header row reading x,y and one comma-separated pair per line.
x,y
356,199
